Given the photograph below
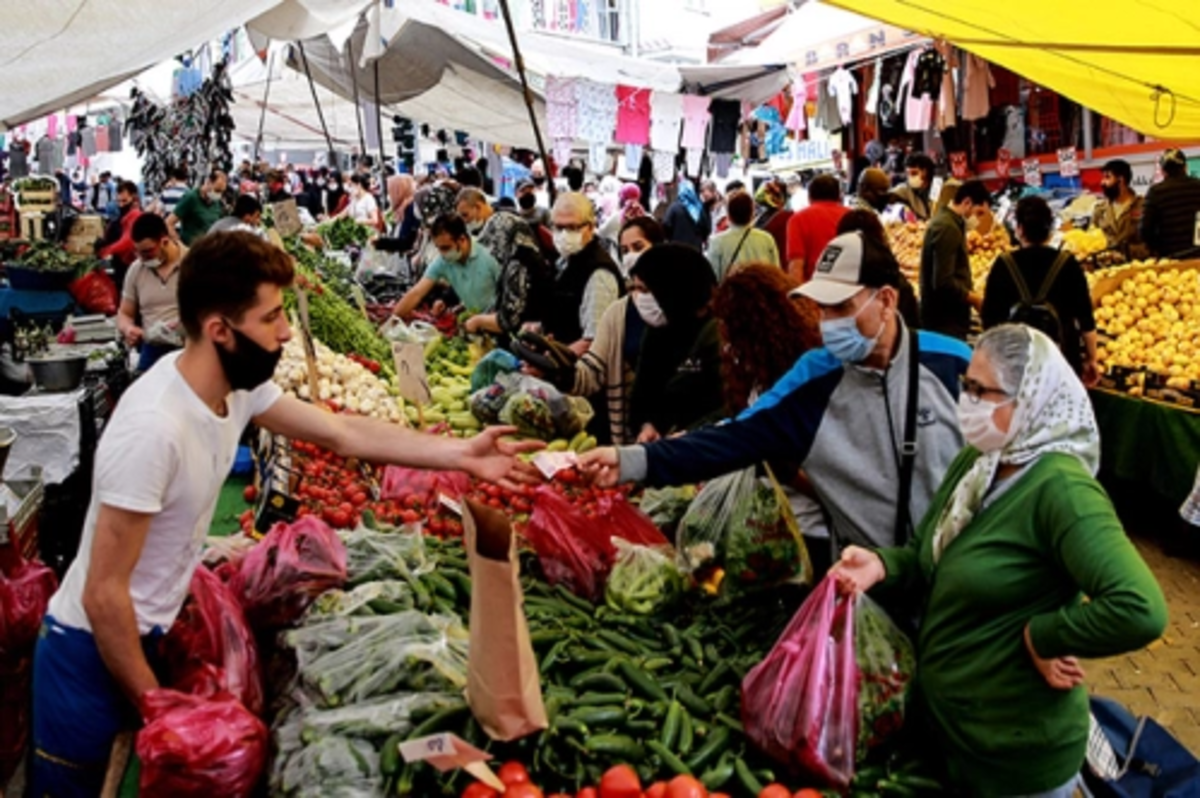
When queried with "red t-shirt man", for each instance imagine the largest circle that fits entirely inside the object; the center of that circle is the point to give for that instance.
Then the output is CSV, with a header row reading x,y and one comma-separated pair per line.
x,y
810,230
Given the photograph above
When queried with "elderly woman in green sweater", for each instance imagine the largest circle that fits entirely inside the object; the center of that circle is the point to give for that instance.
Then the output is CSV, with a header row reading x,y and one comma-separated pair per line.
x,y
1018,534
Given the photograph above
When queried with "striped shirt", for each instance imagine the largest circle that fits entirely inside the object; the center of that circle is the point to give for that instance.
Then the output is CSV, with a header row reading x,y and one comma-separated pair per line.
x,y
170,196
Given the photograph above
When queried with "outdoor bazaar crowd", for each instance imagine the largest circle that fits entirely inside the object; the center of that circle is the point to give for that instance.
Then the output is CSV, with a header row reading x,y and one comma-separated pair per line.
x,y
716,333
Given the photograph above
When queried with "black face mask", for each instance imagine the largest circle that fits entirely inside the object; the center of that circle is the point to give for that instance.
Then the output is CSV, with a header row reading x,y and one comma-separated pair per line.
x,y
1112,192
249,365
527,201
539,181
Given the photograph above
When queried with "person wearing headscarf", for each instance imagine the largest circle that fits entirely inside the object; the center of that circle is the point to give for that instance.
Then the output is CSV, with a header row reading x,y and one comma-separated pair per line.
x,y
773,213
678,381
687,221
1018,534
629,207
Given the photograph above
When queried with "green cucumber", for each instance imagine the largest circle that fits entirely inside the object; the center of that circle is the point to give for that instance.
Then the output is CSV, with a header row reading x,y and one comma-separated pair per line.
x,y
619,746
669,759
641,682
672,725
749,781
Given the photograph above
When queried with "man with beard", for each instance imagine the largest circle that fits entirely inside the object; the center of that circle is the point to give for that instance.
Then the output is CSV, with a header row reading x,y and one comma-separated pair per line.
x,y
159,469
1119,214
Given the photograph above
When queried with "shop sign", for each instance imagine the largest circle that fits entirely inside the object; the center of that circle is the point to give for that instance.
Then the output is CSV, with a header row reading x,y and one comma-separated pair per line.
x,y
1068,165
1033,172
410,372
869,41
958,165
1003,163
804,152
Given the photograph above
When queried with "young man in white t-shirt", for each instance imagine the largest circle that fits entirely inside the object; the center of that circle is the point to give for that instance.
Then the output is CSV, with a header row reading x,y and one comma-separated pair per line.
x,y
159,469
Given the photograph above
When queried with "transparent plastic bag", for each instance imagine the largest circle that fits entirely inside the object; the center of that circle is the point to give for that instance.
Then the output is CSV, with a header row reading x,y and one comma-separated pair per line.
x,y
491,366
886,665
211,630
197,746
375,556
367,658
748,528
289,568
333,763
25,589
375,720
666,507
370,598
644,580
800,704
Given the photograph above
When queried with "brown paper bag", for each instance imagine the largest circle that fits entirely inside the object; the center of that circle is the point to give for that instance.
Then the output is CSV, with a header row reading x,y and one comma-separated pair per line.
x,y
503,686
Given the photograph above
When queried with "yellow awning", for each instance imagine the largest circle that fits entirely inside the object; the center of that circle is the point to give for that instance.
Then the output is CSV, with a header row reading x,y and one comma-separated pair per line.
x,y
1136,62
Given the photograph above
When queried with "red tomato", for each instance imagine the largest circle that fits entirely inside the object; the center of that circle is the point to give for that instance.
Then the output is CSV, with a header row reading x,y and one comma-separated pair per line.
x,y
339,519
685,787
776,791
346,507
523,790
587,792
410,516
479,790
808,792
250,494
359,499
656,790
513,773
620,782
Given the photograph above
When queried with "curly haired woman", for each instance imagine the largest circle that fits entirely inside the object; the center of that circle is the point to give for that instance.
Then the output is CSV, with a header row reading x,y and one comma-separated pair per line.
x,y
752,299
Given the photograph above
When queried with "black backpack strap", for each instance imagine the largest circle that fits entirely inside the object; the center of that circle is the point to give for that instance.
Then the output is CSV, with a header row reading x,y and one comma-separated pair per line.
x,y
1018,278
738,250
1051,276
908,449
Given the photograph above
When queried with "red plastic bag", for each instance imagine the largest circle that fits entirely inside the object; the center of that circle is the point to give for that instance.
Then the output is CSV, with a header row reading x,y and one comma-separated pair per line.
x,y
197,746
623,520
96,292
400,483
574,550
25,590
210,647
289,568
800,704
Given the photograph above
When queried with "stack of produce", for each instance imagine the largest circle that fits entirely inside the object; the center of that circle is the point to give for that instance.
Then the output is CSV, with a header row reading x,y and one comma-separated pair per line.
x,y
343,382
338,324
984,250
344,233
907,238
448,368
1151,322
1084,243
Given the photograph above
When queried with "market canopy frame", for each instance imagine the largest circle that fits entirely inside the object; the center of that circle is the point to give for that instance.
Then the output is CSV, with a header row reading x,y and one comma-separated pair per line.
x,y
1137,63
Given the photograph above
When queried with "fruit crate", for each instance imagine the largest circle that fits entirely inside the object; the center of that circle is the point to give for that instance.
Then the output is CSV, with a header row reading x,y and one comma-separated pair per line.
x,y
1108,280
21,527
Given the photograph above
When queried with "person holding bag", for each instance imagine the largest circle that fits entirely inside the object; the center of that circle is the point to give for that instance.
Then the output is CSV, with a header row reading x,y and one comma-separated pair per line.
x,y
1019,532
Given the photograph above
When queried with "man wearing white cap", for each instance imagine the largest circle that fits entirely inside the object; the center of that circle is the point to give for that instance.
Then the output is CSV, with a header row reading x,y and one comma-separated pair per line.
x,y
842,413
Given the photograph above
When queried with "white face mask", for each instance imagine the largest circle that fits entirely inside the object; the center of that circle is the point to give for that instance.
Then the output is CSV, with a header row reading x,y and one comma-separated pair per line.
x,y
978,425
153,263
474,228
648,308
628,260
568,242
214,196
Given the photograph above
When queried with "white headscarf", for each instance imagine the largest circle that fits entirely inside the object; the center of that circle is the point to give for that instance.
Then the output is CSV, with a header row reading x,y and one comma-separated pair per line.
x,y
1052,413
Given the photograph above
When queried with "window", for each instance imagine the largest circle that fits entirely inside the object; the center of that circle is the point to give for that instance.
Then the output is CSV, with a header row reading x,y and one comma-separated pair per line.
x,y
610,20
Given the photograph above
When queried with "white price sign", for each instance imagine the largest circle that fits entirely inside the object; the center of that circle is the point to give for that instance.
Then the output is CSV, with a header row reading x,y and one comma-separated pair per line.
x,y
449,751
1033,172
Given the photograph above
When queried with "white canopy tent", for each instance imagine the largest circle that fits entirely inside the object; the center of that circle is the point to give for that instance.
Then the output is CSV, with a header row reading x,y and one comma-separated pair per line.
x,y
804,31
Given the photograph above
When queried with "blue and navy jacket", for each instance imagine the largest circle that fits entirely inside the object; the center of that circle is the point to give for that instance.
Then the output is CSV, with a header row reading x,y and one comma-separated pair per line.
x,y
835,421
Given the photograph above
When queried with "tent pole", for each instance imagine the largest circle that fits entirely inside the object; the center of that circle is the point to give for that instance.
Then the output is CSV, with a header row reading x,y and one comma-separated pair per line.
x,y
379,117
520,62
358,121
262,119
316,100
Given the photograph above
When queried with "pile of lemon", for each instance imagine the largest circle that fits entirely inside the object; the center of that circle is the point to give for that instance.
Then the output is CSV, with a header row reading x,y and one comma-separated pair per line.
x,y
1152,320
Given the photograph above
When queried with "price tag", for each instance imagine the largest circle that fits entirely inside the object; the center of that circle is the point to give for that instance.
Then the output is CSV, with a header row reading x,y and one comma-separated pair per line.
x,y
287,217
450,504
310,351
410,372
1003,163
958,164
447,752
1068,163
1033,172
550,463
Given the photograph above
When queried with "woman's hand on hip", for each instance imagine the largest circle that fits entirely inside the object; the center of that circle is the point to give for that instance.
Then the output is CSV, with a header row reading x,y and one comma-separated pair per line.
x,y
1061,673
858,571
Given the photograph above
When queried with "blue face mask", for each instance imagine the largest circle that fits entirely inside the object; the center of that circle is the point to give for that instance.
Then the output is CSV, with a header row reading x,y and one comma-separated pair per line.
x,y
844,340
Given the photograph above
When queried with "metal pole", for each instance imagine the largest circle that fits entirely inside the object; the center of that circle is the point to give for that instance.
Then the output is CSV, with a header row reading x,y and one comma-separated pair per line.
x,y
362,142
1088,139
316,101
262,119
520,63
379,117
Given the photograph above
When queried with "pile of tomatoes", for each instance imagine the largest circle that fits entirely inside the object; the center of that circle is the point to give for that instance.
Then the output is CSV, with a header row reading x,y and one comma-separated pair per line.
x,y
619,782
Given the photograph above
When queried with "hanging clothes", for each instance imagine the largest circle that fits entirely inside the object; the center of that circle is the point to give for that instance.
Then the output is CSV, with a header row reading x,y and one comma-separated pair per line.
x,y
929,69
88,141
947,107
18,159
828,117
1014,131
102,138
872,105
114,134
796,121
977,81
726,115
562,107
1006,88
695,160
918,109
52,126
695,121
633,156
664,165
633,115
666,117
722,161
597,120
46,151
843,87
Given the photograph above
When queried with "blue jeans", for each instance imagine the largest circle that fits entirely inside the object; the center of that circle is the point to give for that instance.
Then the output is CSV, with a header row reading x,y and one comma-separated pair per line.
x,y
78,709
1065,791
149,354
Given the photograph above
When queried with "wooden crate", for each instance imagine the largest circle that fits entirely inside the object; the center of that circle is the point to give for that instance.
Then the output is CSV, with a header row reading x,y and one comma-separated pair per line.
x,y
1111,279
